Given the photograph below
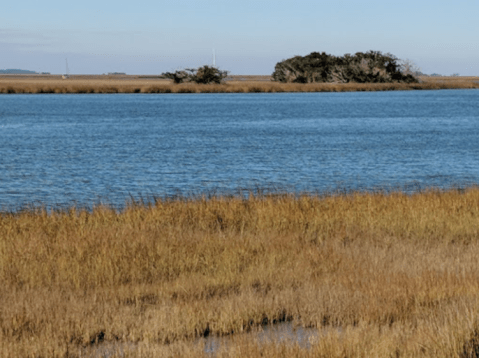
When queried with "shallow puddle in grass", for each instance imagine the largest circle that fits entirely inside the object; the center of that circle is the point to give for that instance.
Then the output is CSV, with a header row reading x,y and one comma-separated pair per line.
x,y
285,332
280,333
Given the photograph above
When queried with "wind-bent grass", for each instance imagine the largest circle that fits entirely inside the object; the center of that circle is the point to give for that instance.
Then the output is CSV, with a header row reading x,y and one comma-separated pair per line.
x,y
379,274
140,84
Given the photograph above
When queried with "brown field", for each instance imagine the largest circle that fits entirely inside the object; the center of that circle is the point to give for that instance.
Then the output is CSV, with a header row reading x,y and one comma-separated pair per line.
x,y
234,84
378,274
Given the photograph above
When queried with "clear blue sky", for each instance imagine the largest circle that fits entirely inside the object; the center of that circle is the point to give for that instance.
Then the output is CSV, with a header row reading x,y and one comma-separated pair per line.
x,y
250,37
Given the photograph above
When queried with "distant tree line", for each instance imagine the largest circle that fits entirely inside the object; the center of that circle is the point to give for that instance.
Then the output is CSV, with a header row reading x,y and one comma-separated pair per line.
x,y
368,67
17,71
362,67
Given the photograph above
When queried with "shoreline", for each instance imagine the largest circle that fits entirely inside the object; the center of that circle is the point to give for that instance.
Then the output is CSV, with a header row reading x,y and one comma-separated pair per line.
x,y
23,84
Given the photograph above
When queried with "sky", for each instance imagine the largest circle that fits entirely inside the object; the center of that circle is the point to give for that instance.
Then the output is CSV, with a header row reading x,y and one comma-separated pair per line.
x,y
249,37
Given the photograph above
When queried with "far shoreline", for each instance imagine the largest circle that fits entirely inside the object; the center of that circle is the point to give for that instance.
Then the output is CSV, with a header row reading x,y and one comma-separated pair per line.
x,y
54,84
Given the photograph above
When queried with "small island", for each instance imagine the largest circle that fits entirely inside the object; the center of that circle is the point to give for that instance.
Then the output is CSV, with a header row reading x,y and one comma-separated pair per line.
x,y
316,72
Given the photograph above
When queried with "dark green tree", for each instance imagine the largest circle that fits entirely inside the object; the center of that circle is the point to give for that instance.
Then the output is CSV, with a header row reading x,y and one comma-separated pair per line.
x,y
179,76
209,74
368,67
203,75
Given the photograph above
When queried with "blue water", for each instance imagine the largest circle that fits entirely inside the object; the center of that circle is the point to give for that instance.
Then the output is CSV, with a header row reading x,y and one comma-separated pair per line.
x,y
59,150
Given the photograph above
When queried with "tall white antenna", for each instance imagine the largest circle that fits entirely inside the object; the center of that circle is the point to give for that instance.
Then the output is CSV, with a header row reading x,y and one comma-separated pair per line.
x,y
67,73
214,58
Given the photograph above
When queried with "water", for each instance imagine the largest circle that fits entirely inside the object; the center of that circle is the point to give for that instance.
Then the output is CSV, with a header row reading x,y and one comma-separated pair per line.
x,y
59,150
281,333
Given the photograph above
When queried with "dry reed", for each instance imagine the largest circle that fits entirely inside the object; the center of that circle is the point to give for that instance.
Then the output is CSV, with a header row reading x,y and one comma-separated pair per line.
x,y
137,84
377,274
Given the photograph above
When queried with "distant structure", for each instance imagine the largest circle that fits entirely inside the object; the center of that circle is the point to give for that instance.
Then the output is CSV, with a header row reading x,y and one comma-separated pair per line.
x,y
214,58
67,72
16,71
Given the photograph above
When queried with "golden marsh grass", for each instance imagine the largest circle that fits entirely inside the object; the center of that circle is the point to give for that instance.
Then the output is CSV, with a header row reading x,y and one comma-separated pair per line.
x,y
235,84
379,274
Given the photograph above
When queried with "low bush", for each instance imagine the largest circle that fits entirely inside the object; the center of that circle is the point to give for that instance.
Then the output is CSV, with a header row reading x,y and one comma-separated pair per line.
x,y
201,75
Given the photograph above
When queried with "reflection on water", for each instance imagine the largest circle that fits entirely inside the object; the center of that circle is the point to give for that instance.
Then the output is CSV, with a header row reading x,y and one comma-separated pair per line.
x,y
58,150
285,332
280,333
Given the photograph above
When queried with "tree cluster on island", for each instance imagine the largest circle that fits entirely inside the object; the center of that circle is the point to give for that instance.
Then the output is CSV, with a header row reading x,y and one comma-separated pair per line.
x,y
368,67
202,75
362,67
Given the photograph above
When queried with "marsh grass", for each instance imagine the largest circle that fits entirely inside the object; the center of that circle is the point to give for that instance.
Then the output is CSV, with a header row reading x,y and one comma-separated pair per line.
x,y
138,84
379,274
